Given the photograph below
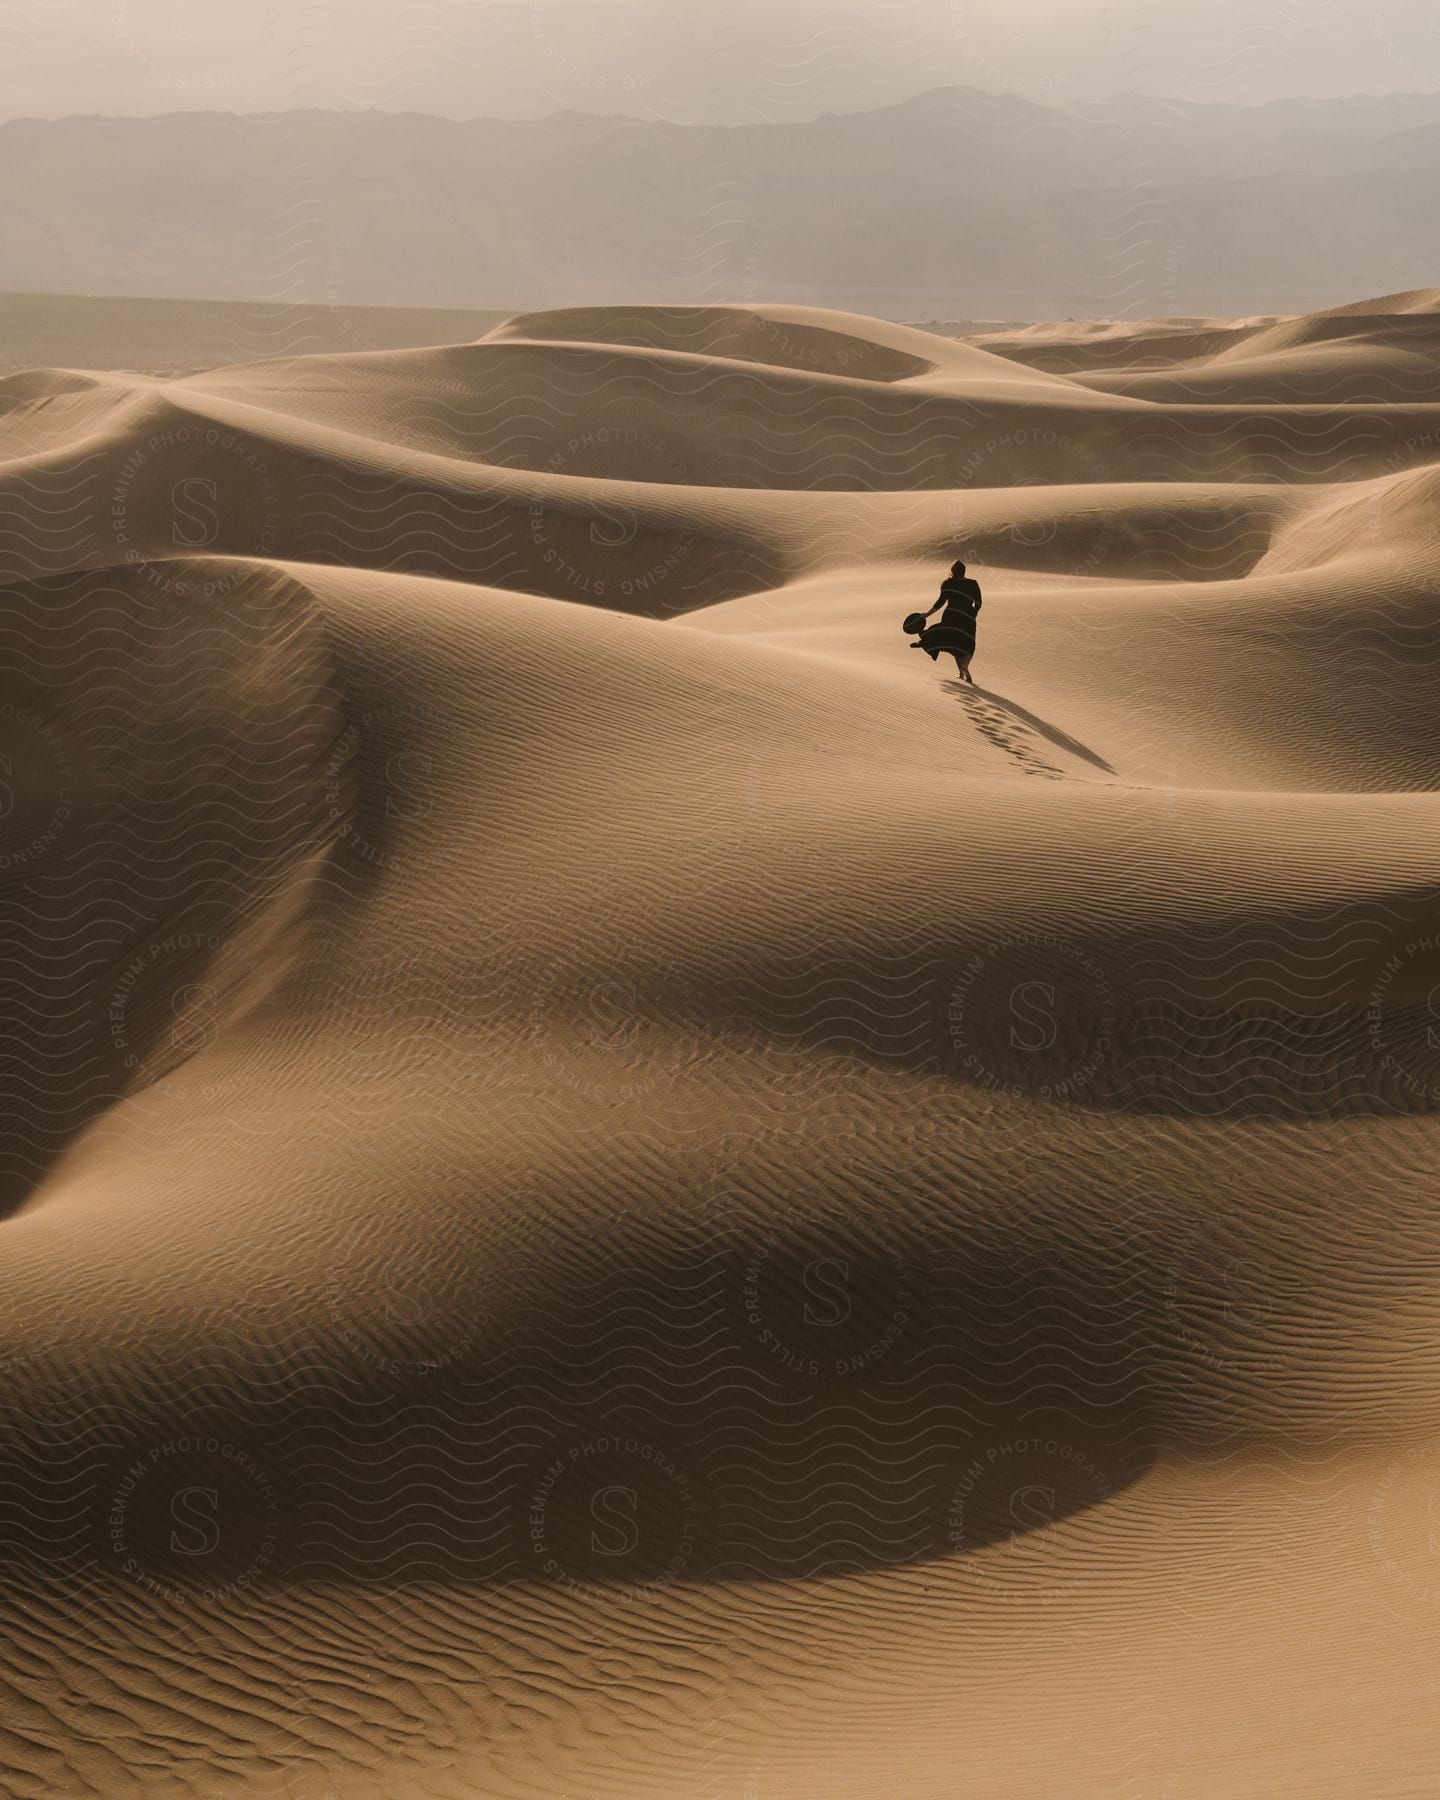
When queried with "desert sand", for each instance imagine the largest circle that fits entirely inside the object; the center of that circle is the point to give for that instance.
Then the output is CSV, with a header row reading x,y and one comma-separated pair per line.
x,y
615,1187
181,337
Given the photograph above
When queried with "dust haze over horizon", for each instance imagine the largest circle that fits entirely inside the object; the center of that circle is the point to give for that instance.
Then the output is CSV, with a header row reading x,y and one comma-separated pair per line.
x,y
697,60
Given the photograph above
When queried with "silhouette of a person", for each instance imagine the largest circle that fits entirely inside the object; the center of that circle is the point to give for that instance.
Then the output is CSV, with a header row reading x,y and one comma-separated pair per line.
x,y
955,633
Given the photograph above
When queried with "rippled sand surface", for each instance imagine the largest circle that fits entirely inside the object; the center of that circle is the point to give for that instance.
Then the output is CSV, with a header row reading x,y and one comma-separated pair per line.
x,y
615,1187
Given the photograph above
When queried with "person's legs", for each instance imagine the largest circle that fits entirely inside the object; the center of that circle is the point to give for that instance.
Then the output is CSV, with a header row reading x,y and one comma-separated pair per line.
x,y
962,666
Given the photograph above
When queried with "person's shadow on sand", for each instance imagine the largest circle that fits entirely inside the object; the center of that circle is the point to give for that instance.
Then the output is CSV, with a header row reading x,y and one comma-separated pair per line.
x,y
984,705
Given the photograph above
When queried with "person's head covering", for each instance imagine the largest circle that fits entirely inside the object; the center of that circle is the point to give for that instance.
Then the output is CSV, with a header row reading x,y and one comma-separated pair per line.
x,y
957,568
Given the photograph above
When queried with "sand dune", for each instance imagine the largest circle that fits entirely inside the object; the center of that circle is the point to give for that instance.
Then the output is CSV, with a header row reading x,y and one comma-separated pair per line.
x,y
180,336
617,1188
1383,350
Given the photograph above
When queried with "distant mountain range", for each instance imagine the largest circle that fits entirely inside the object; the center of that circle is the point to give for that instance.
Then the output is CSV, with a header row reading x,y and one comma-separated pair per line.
x,y
957,203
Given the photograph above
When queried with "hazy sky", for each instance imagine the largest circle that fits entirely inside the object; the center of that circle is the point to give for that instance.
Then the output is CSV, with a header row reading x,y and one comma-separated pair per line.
x,y
717,60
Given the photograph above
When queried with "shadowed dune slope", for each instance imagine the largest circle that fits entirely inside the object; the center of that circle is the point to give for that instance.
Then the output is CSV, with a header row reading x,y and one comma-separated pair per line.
x,y
615,1186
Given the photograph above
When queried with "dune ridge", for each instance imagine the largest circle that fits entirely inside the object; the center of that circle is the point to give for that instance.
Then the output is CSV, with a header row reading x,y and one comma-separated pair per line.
x,y
612,1185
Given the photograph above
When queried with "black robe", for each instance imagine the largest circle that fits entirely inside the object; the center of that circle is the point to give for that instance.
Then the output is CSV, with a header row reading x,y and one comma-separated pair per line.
x,y
955,631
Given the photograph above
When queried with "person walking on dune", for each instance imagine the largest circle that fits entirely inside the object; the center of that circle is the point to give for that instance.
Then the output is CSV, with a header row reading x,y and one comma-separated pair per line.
x,y
955,633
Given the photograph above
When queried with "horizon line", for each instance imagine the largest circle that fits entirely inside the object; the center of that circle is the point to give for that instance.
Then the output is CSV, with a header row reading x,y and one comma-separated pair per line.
x,y
946,89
